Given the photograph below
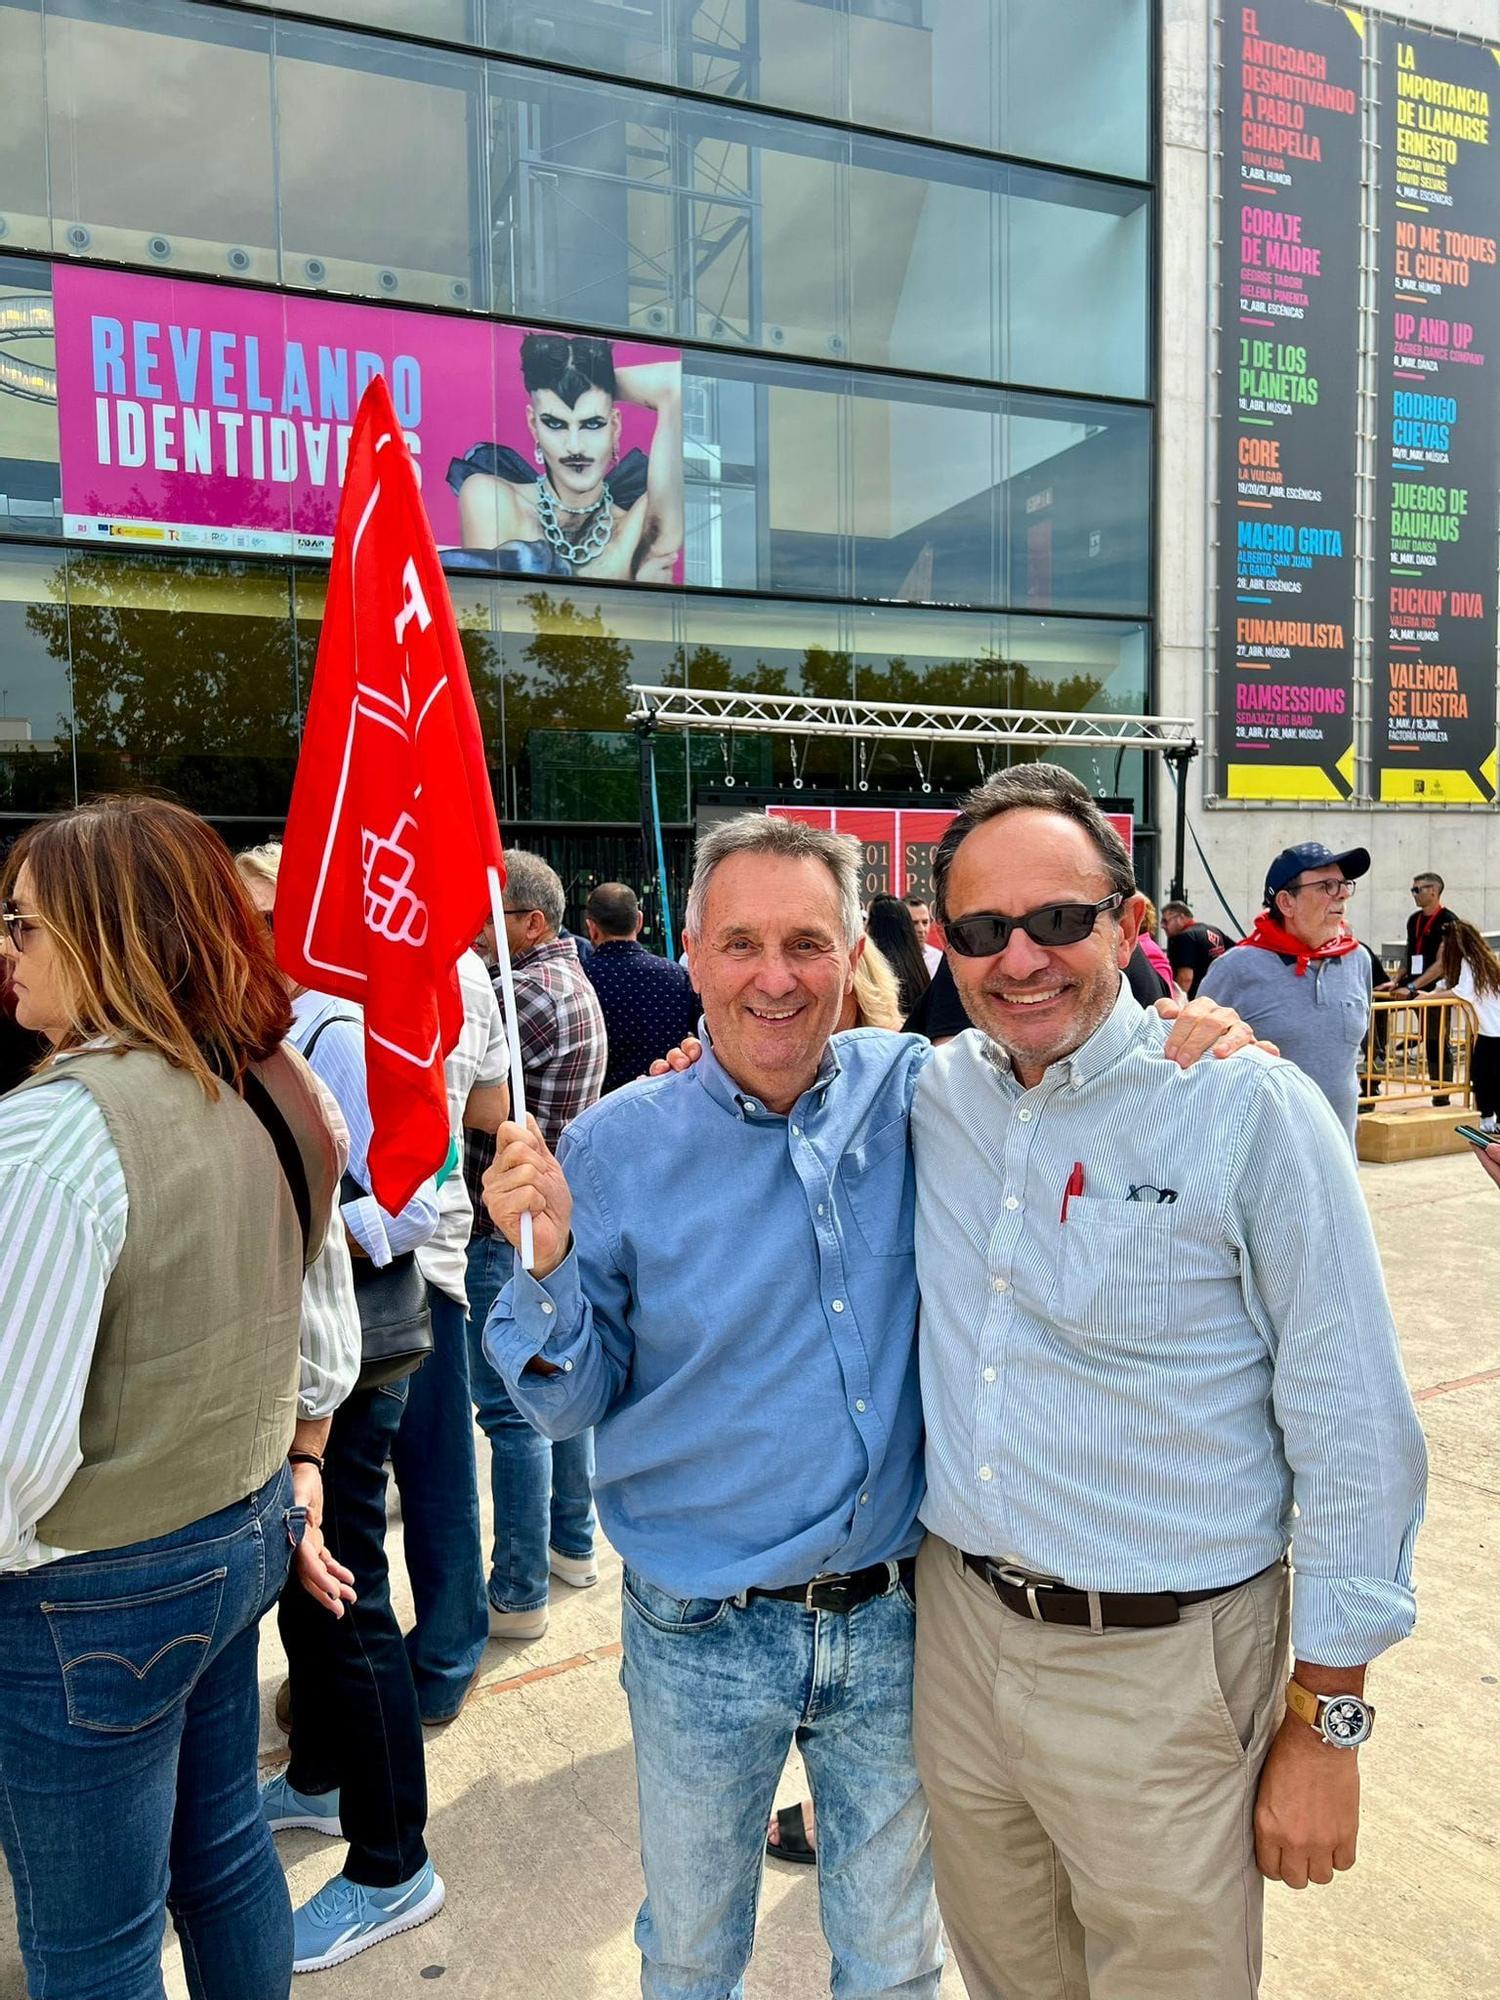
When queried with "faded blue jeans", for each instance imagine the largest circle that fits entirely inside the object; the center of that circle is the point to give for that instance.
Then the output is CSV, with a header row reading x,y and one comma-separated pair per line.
x,y
129,1725
718,1694
542,1491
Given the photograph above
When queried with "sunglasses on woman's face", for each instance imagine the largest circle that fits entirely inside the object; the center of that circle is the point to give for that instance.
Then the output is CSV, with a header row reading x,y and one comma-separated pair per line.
x,y
18,923
1053,924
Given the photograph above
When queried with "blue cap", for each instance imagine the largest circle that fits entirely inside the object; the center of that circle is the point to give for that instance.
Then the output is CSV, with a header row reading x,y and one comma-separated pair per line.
x,y
1294,861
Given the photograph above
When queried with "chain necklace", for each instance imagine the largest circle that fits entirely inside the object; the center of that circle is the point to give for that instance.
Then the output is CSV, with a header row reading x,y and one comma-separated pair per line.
x,y
601,525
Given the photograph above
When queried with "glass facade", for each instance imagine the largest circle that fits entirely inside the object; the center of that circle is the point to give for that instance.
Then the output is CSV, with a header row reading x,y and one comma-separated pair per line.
x,y
904,247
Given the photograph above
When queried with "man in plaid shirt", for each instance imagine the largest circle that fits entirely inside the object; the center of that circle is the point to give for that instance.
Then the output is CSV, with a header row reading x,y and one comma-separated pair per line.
x,y
544,1513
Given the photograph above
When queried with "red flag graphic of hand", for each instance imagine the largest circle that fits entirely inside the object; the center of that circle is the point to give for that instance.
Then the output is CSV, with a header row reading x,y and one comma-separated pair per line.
x,y
392,822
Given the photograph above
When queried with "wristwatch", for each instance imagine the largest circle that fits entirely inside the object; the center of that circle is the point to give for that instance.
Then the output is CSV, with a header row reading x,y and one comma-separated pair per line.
x,y
1344,1721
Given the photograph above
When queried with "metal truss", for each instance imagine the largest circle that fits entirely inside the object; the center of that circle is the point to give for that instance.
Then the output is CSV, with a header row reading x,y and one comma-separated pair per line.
x,y
725,711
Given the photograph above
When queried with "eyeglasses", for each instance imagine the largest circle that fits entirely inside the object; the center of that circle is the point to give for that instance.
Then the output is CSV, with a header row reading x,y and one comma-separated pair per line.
x,y
1053,924
19,923
1336,892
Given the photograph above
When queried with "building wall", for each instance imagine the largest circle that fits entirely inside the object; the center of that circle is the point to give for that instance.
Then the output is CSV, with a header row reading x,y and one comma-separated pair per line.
x,y
1461,844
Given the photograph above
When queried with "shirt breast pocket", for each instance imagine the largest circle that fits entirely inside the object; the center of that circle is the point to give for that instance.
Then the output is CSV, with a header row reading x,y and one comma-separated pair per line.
x,y
876,1185
1114,1270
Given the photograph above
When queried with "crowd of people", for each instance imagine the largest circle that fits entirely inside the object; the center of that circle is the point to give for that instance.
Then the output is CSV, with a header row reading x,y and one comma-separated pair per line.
x,y
1020,1594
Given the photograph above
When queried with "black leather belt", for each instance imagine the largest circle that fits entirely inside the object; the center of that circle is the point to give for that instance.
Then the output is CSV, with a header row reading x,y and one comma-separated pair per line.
x,y
845,1593
1052,1602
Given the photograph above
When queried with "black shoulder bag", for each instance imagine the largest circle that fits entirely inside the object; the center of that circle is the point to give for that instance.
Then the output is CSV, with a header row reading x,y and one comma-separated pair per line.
x,y
394,1316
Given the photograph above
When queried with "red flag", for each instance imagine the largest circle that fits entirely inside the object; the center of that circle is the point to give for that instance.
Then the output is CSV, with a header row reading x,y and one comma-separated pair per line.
x,y
392,824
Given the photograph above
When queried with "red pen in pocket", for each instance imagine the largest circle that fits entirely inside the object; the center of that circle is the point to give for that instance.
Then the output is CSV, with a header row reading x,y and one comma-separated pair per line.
x,y
1075,1186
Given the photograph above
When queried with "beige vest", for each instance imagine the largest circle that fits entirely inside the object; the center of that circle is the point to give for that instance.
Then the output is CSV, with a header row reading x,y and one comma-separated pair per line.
x,y
192,1391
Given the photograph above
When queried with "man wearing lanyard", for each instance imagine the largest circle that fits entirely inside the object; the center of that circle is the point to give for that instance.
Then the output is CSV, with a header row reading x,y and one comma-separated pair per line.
x,y
725,1286
1426,927
1139,1352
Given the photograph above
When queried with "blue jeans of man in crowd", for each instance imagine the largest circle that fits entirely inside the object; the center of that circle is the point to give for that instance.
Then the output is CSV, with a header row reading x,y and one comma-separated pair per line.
x,y
541,1490
719,1691
433,1460
129,1726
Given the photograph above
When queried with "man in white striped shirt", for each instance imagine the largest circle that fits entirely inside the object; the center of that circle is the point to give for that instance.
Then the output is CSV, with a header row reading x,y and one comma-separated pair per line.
x,y
1153,1321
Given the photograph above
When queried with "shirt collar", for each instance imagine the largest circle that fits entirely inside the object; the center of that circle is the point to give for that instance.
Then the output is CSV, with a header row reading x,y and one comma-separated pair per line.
x,y
723,1089
619,944
1115,1034
553,947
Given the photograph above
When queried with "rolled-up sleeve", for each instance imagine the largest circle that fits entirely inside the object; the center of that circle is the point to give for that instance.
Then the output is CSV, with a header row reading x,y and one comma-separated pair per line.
x,y
1339,1393
577,1318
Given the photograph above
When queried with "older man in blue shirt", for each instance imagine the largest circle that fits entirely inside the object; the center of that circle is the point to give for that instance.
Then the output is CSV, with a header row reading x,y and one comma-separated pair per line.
x,y
725,1286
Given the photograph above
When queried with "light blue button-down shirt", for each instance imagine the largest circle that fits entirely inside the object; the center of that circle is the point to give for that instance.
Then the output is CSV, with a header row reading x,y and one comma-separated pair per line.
x,y
1134,1398
737,1317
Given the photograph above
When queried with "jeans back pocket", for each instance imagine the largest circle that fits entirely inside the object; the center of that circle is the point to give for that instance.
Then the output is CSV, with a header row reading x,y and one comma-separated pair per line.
x,y
127,1661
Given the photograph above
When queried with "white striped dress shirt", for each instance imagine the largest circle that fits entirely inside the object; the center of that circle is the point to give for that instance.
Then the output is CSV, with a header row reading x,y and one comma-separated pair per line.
x,y
1134,1398
63,1215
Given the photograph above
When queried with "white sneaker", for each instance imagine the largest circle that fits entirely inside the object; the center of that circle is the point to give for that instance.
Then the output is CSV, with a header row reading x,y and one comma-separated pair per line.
x,y
518,1624
1489,1124
579,1571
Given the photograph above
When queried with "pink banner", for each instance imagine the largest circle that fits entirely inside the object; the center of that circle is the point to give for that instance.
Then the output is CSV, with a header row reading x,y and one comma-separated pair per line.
x,y
212,417
896,845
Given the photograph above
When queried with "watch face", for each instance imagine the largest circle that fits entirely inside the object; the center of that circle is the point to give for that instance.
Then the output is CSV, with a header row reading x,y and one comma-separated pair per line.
x,y
1346,1721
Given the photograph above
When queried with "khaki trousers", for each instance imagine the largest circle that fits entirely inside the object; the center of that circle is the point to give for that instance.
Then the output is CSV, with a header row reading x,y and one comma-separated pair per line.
x,y
1092,1793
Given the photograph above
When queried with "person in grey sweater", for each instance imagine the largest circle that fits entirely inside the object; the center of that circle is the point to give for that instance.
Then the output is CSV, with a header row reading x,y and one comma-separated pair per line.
x,y
1301,978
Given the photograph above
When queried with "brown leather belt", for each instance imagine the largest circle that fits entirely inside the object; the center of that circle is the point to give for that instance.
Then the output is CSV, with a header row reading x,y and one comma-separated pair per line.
x,y
1052,1602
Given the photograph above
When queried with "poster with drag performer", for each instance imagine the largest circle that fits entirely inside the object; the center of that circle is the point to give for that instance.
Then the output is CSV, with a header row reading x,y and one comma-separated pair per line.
x,y
212,417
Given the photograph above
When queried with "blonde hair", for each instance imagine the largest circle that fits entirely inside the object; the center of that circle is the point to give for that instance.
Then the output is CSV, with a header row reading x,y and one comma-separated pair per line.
x,y
877,998
263,862
159,948
1149,919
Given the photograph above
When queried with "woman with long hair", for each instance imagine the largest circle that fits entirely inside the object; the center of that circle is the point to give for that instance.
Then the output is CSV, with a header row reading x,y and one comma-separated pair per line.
x,y
166,1176
583,510
889,925
1471,970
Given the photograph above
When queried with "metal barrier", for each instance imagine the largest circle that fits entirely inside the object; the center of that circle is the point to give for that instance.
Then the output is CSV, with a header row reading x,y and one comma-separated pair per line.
x,y
1418,1049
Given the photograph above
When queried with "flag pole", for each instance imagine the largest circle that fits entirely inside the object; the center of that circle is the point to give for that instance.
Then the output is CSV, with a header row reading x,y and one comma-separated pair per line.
x,y
513,1035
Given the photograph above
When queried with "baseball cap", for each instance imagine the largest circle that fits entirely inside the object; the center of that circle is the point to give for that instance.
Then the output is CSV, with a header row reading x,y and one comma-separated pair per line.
x,y
1294,861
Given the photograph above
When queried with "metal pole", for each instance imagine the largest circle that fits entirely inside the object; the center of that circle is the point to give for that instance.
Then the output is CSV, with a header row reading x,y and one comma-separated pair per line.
x,y
1179,760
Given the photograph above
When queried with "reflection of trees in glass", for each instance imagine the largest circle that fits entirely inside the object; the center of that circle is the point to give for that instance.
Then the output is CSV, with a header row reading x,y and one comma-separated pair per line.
x,y
167,693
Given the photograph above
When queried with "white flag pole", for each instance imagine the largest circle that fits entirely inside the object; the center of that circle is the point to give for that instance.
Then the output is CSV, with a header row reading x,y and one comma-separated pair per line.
x,y
513,1035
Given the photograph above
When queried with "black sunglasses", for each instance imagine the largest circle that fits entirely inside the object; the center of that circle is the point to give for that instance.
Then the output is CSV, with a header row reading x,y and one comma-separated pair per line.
x,y
1053,924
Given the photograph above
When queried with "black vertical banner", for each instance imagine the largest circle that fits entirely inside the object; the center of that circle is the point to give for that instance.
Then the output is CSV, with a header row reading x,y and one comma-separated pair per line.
x,y
1437,515
1289,319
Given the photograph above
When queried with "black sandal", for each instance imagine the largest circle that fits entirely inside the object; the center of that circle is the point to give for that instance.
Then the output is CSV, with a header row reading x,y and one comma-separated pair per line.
x,y
794,1844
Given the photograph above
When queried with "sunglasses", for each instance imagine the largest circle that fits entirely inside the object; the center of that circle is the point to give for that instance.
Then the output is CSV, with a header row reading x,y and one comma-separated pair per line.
x,y
19,923
1053,924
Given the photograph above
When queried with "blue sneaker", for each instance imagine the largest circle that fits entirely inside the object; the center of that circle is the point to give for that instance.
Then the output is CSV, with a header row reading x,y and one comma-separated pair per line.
x,y
345,1917
282,1808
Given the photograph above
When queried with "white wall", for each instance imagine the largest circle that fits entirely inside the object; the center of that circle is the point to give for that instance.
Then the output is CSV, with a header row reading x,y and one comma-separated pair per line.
x,y
1462,845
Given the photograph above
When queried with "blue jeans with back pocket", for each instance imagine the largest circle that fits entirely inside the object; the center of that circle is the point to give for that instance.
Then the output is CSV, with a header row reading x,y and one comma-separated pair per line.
x,y
129,1726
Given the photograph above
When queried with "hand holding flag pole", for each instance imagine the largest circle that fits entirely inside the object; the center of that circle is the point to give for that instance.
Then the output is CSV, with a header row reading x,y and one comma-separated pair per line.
x,y
392,850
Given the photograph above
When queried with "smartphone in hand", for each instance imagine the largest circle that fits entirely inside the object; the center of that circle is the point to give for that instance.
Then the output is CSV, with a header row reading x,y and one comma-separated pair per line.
x,y
1476,1137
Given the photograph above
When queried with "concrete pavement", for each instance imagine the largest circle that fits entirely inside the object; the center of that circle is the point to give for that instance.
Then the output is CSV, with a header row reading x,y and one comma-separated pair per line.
x,y
533,1806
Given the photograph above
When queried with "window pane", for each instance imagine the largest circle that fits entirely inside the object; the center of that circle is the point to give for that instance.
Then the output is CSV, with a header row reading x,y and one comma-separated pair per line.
x,y
30,481
183,677
36,724
569,661
1076,305
1102,47
615,37
199,195
924,291
442,20
786,52
942,659
377,152
930,66
1098,669
924,481
1077,503
768,649
23,141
